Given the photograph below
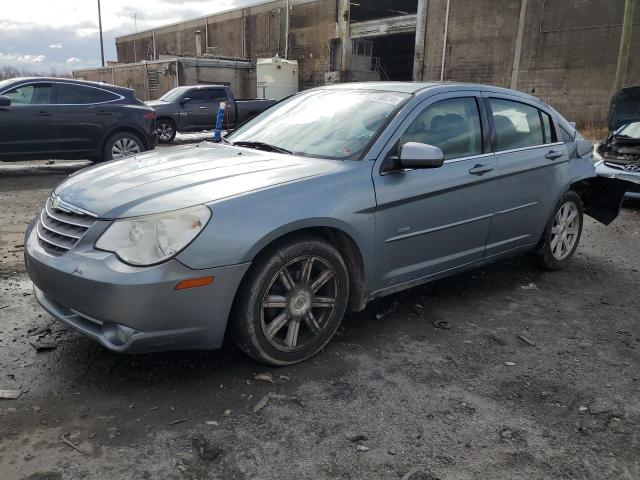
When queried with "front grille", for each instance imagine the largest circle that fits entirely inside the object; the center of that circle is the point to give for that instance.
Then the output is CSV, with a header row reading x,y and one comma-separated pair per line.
x,y
61,226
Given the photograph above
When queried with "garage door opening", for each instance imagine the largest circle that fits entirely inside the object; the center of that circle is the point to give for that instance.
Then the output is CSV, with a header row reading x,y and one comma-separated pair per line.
x,y
395,56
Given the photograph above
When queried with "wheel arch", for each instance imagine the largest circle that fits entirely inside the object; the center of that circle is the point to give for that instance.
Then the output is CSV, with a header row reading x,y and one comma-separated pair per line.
x,y
125,129
336,236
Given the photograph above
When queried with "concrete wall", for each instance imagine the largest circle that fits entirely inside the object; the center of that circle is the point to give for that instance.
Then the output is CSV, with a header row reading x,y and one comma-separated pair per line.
x,y
252,32
171,74
569,49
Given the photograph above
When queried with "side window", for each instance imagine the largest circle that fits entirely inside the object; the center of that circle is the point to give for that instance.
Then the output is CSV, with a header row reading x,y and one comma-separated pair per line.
x,y
196,96
452,125
216,95
549,131
517,125
69,94
566,136
32,94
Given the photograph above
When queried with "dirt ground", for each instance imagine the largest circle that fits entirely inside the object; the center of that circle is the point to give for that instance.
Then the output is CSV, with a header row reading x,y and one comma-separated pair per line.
x,y
537,378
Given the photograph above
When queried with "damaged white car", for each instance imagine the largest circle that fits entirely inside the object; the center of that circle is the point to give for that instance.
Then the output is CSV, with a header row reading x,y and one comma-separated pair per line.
x,y
619,157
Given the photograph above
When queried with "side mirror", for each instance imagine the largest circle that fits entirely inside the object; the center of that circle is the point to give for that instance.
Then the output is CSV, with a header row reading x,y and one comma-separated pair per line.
x,y
5,101
420,155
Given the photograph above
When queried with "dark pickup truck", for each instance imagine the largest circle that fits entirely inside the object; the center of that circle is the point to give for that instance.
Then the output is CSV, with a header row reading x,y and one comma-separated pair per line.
x,y
194,108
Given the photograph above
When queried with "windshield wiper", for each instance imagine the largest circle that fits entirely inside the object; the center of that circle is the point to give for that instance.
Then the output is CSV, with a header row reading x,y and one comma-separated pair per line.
x,y
262,146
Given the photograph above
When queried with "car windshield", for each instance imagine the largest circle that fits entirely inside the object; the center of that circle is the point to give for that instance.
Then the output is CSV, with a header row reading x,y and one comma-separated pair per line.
x,y
171,95
326,123
631,131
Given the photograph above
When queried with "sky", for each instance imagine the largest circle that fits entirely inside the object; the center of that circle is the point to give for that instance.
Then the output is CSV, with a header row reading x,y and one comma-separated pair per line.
x,y
61,35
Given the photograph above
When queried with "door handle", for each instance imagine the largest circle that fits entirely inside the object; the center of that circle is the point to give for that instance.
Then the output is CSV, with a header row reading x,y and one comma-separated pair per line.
x,y
44,114
553,154
480,169
202,108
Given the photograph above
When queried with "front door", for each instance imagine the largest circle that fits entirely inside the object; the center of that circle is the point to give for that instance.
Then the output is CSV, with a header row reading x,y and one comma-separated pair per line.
x,y
432,220
197,110
532,168
28,129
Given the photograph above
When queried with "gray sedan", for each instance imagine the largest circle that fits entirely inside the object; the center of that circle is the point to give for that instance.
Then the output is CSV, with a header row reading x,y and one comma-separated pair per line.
x,y
332,198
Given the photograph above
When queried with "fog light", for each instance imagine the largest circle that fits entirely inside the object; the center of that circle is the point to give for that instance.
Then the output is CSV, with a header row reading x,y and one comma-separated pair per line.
x,y
117,334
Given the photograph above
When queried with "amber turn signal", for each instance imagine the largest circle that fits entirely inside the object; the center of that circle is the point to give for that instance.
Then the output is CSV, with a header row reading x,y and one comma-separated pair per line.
x,y
194,282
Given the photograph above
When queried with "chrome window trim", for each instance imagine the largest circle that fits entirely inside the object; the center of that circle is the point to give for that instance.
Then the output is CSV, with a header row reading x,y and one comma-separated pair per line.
x,y
53,82
531,147
470,157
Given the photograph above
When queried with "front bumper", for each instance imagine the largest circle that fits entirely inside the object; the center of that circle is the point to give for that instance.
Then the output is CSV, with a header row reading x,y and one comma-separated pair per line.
x,y
131,309
633,178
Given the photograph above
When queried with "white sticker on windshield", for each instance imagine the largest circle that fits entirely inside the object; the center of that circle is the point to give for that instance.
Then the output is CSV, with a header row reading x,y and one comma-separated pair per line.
x,y
385,97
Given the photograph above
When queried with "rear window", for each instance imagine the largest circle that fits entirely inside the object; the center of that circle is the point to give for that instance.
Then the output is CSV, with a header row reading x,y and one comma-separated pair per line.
x,y
549,131
517,125
69,94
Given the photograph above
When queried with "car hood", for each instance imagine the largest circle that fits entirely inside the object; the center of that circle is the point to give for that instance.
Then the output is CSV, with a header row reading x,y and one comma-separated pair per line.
x,y
181,177
157,104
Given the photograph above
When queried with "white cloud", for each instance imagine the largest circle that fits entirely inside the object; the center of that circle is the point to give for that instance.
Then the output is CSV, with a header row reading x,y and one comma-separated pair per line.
x,y
73,61
22,58
55,45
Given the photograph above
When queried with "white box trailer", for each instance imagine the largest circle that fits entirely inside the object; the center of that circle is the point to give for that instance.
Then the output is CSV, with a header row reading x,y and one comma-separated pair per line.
x,y
277,78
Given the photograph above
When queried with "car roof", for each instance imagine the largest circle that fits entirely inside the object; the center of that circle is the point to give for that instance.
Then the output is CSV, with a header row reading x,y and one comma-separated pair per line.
x,y
420,87
88,83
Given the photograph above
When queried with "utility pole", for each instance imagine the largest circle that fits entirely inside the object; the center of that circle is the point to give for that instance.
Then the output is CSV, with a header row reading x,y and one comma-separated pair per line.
x,y
100,26
625,45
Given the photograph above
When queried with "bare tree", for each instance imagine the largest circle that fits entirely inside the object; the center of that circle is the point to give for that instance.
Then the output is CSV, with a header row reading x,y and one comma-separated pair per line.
x,y
12,72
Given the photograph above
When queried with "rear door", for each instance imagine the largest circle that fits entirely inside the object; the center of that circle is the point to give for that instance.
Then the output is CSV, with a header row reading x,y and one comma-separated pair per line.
x,y
432,220
214,97
83,115
28,129
532,170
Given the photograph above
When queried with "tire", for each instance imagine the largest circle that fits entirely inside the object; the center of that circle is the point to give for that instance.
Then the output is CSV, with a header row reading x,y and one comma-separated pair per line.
x,y
562,234
282,319
127,143
166,129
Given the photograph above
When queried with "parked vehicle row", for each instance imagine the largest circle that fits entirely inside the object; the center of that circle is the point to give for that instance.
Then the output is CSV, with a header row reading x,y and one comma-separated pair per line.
x,y
331,198
42,118
194,108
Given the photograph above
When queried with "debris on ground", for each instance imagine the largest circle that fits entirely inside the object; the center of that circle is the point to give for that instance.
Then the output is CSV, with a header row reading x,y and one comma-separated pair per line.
x,y
510,364
442,324
284,377
601,406
42,344
261,404
356,437
497,339
264,377
531,286
212,423
362,448
85,447
506,433
526,340
205,450
227,412
388,311
10,394
179,420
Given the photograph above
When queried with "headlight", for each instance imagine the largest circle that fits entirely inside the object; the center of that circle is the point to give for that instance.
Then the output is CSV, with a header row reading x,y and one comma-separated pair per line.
x,y
154,238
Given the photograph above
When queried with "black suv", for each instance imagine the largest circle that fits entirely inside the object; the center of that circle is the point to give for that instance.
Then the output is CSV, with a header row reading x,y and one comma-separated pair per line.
x,y
43,118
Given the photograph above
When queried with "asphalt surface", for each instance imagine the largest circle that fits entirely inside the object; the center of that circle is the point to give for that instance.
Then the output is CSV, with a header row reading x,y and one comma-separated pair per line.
x,y
537,377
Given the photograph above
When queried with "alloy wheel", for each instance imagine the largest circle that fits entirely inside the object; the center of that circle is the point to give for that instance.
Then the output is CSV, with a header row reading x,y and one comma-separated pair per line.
x,y
124,147
299,303
565,229
165,132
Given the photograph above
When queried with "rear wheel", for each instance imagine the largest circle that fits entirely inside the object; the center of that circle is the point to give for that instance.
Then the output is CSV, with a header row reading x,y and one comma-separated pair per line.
x,y
121,145
292,302
562,234
166,129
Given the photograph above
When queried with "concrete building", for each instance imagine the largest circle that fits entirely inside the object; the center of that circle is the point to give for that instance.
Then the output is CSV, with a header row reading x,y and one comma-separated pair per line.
x,y
562,51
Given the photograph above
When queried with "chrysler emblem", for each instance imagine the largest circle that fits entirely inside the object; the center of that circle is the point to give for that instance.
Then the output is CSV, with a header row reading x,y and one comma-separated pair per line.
x,y
54,202
632,167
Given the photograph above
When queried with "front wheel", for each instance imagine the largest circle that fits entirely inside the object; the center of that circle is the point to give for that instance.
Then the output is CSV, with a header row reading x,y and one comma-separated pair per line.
x,y
166,130
562,234
292,302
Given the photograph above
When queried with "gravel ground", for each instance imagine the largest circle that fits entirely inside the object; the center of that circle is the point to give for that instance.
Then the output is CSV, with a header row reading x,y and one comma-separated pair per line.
x,y
537,378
